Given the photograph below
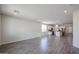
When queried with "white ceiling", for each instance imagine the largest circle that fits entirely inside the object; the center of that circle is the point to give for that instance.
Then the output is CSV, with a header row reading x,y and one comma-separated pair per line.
x,y
46,13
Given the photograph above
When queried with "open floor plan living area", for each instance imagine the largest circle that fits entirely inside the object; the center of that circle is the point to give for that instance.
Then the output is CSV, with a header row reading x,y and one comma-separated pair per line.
x,y
39,29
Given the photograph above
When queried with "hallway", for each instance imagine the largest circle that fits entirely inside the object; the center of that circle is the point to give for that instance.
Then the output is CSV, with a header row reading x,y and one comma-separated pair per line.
x,y
43,45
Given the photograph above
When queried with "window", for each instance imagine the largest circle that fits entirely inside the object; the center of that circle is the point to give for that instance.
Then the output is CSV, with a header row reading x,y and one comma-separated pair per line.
x,y
44,28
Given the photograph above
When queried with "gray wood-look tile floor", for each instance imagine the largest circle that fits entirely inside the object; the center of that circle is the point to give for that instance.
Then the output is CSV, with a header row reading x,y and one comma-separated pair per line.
x,y
42,45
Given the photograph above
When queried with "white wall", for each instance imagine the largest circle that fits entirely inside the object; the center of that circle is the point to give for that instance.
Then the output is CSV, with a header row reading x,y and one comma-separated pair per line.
x,y
76,29
15,29
0,29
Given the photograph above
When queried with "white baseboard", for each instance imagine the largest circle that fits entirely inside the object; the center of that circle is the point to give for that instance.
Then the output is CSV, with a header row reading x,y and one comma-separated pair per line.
x,y
75,46
19,40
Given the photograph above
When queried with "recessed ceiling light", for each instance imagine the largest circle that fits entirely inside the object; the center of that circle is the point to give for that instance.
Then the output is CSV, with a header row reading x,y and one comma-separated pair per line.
x,y
16,12
56,25
65,11
70,4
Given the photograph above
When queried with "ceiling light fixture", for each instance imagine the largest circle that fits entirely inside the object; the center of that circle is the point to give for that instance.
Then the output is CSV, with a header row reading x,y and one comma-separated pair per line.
x,y
65,11
16,12
56,25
